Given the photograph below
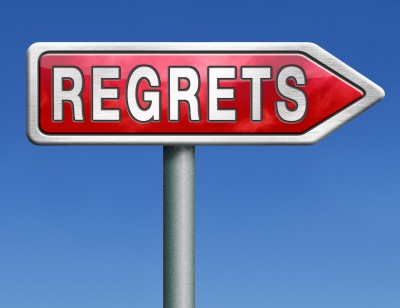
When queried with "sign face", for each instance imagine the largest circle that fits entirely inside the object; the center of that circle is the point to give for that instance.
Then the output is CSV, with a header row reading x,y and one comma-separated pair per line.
x,y
190,93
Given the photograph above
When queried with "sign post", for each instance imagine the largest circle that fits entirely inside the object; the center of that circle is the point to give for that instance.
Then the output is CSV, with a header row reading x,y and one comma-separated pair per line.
x,y
179,226
183,94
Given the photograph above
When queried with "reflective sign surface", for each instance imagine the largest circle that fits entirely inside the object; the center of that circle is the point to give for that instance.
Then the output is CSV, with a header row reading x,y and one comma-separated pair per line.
x,y
198,93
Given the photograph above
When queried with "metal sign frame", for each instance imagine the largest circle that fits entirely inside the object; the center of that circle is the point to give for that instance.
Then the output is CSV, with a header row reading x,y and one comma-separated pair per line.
x,y
372,94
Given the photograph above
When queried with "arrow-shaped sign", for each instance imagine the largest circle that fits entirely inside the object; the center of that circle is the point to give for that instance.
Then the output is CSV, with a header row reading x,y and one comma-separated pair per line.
x,y
190,93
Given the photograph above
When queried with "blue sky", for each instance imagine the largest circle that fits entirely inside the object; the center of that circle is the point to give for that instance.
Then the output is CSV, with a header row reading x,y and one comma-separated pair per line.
x,y
293,226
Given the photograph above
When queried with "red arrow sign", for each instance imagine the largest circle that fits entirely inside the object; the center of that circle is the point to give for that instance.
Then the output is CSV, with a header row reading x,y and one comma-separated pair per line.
x,y
230,93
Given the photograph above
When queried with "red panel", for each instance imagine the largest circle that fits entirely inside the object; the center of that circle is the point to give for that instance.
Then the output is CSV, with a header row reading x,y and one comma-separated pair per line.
x,y
327,94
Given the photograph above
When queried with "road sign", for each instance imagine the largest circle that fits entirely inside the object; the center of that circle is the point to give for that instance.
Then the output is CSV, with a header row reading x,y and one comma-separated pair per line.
x,y
190,93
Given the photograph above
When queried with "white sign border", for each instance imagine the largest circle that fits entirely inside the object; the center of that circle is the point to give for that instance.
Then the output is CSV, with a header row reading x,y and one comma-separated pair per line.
x,y
373,94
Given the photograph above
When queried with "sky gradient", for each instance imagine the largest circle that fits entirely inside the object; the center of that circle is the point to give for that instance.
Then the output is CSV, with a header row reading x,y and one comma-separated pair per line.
x,y
276,226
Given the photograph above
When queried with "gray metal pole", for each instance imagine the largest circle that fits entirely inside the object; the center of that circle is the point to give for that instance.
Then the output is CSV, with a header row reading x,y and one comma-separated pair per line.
x,y
179,173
